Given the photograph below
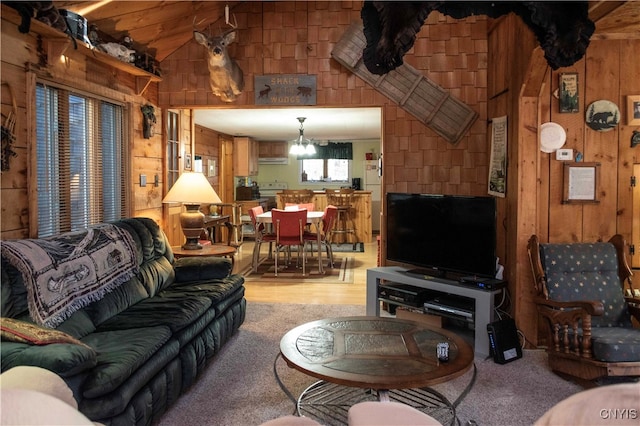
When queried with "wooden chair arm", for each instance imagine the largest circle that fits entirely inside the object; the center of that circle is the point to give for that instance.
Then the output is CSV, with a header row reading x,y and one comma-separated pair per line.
x,y
589,307
633,305
565,319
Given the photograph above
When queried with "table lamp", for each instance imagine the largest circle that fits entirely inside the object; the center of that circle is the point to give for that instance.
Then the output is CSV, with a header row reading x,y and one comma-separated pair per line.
x,y
192,189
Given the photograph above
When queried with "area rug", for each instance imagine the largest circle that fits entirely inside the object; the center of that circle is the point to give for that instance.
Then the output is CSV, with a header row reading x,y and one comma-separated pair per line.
x,y
347,247
240,386
342,272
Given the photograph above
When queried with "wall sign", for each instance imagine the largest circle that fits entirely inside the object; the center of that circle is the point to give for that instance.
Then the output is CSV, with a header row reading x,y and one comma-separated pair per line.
x,y
285,89
498,162
568,92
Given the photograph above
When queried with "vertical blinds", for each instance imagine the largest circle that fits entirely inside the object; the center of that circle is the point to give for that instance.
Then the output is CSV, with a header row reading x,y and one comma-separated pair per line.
x,y
80,153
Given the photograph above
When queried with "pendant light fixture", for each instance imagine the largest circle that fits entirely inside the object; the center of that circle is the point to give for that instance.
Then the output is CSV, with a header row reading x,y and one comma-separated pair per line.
x,y
302,145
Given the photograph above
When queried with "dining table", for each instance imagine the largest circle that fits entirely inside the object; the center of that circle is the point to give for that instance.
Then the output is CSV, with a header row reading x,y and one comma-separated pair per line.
x,y
313,217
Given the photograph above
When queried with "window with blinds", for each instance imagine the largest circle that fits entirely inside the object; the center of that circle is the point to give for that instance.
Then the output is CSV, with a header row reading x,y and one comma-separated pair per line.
x,y
80,152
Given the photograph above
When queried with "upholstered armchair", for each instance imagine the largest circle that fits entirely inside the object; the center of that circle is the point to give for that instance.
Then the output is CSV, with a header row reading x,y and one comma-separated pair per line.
x,y
580,295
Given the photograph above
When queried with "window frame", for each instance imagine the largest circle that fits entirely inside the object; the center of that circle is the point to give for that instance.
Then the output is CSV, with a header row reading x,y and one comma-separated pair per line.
x,y
325,168
122,127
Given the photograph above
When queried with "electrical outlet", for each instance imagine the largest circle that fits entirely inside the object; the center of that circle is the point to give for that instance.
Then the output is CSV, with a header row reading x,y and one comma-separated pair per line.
x,y
143,180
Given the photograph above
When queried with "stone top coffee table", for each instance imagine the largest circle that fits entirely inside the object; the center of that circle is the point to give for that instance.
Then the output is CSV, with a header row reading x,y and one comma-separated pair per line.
x,y
379,354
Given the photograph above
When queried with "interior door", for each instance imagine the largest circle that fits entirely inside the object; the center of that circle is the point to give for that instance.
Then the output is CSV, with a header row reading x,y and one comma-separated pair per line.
x,y
226,170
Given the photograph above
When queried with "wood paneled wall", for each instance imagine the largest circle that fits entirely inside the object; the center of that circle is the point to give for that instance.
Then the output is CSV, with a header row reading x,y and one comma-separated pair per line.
x,y
523,87
494,69
20,65
451,52
207,145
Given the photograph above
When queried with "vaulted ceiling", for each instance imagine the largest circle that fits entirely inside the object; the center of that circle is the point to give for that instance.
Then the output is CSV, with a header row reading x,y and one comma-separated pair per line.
x,y
162,27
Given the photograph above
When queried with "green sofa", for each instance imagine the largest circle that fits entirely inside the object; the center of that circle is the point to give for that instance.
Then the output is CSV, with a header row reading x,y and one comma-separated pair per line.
x,y
129,355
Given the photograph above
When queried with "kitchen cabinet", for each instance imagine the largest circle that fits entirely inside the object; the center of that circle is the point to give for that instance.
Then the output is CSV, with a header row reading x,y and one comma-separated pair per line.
x,y
245,156
273,150
362,211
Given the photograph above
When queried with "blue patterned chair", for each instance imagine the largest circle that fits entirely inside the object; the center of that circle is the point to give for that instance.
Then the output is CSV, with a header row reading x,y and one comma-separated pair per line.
x,y
580,295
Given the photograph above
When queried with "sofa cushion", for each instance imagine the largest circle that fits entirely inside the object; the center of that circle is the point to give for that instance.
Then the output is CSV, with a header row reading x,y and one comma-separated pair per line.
x,y
120,353
615,344
78,325
13,293
216,290
202,268
64,359
175,311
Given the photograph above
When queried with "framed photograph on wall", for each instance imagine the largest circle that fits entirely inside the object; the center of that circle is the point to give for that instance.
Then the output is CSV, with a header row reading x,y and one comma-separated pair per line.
x,y
633,110
568,92
187,161
580,183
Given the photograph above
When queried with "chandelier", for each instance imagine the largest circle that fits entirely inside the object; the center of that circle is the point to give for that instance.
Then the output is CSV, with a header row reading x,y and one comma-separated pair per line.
x,y
302,145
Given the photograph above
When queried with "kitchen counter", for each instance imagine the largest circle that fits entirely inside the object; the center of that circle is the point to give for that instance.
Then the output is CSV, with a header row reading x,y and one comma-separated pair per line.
x,y
362,207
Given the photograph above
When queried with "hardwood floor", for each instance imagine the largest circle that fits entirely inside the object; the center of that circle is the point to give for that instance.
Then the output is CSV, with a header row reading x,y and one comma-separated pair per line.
x,y
310,293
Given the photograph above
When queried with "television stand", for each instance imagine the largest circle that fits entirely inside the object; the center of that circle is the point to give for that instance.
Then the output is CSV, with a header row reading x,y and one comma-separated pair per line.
x,y
484,298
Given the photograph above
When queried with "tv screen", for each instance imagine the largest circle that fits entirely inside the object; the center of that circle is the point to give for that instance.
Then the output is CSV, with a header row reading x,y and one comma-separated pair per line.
x,y
443,233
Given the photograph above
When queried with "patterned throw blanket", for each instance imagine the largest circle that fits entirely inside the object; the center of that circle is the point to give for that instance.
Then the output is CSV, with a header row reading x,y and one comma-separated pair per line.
x,y
69,271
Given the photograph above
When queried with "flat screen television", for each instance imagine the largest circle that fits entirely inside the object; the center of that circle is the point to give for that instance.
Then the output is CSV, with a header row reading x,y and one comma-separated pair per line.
x,y
444,234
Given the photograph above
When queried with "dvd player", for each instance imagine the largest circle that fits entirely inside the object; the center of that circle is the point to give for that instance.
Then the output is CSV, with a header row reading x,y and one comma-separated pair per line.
x,y
459,307
404,293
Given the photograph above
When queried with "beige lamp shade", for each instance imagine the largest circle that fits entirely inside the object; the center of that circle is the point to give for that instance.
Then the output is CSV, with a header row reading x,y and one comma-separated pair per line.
x,y
192,189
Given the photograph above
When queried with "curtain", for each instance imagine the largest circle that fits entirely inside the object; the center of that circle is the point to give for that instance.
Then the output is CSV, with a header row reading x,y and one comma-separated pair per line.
x,y
331,151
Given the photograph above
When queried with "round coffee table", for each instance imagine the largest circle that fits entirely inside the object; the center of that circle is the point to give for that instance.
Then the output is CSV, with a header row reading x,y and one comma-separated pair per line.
x,y
369,358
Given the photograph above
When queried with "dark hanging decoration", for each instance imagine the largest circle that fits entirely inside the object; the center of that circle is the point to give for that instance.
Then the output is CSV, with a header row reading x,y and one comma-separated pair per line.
x,y
563,29
149,121
8,137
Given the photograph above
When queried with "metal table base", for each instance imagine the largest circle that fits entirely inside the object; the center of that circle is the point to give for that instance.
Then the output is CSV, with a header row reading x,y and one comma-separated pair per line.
x,y
329,403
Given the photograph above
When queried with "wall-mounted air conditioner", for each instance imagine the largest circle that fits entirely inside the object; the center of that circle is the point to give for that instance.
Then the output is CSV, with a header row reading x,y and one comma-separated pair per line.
x,y
273,160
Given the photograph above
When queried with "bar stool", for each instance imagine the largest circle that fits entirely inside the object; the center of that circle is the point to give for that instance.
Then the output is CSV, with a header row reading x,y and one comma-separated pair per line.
x,y
345,223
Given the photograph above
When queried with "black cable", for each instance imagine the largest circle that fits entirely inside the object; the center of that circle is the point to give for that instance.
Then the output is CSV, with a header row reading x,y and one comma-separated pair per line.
x,y
468,388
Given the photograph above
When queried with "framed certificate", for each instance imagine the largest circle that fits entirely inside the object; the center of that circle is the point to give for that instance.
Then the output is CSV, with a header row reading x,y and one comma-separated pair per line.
x,y
580,183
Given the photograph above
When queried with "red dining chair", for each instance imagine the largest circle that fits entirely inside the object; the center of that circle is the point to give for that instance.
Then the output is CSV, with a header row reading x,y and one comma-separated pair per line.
x,y
326,228
292,206
261,235
289,228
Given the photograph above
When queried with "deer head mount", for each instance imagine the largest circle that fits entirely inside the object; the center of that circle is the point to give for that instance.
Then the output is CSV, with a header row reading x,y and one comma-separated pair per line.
x,y
225,76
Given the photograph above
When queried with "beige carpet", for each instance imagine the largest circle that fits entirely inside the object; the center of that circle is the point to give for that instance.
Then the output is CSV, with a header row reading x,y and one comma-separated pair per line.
x,y
239,387
341,273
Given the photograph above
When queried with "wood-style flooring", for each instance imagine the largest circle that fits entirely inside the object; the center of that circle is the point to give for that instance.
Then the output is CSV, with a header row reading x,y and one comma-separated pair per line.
x,y
310,293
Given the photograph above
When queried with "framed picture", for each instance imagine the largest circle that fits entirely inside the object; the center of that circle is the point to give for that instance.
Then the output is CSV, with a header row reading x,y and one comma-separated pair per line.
x,y
187,161
581,183
633,110
568,92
